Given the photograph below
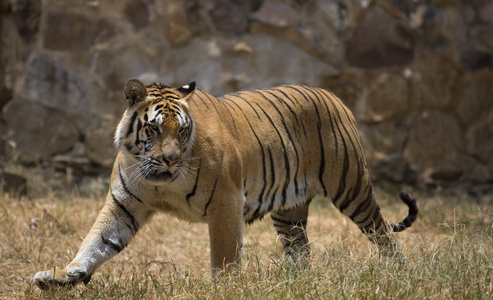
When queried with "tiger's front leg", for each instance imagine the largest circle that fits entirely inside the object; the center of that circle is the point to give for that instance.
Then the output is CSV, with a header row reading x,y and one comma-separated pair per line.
x,y
116,225
225,220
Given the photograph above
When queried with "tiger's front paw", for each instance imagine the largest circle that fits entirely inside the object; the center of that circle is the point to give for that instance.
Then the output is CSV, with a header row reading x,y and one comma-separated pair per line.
x,y
67,277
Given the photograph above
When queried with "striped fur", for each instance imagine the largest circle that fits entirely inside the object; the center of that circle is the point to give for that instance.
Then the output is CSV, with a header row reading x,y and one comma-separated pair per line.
x,y
227,161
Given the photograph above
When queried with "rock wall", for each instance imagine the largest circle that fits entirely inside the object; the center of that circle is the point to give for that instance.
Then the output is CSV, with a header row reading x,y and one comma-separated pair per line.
x,y
417,74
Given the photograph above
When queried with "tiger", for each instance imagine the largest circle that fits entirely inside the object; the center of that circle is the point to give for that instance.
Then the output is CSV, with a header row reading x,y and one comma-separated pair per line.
x,y
229,161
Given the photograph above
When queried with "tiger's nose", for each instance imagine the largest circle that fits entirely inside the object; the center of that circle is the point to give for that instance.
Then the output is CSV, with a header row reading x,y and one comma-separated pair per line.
x,y
170,160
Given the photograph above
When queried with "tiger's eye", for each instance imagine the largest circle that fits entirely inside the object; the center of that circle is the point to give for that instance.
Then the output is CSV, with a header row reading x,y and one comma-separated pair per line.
x,y
182,130
154,127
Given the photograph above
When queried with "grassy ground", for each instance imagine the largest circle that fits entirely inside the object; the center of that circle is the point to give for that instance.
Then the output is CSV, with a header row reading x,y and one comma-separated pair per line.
x,y
448,254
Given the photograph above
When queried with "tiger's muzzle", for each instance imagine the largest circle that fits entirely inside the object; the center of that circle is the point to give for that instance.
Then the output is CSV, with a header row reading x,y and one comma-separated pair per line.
x,y
155,171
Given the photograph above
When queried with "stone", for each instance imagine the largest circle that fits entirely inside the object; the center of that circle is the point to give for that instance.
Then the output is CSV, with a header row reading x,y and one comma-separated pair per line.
x,y
474,60
472,94
480,39
479,173
475,171
99,141
5,95
444,25
37,132
228,18
119,63
174,20
434,80
212,70
249,5
394,168
27,17
137,13
479,139
276,13
75,32
75,160
105,31
322,40
53,84
380,40
3,144
386,98
484,9
335,14
382,138
13,183
435,146
112,10
416,74
68,32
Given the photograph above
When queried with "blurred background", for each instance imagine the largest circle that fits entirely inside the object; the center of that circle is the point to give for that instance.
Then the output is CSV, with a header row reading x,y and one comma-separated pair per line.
x,y
418,75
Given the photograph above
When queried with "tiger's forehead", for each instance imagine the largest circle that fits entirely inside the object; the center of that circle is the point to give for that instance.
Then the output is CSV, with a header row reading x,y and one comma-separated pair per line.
x,y
161,91
163,106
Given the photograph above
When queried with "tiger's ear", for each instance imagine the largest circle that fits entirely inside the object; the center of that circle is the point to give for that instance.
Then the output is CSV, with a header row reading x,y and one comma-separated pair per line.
x,y
187,91
135,91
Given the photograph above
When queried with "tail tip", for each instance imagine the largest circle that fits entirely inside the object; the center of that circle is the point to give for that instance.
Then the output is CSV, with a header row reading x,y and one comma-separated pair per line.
x,y
411,202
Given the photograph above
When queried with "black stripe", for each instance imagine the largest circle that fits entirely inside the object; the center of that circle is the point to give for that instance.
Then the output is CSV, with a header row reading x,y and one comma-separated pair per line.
x,y
139,127
352,124
372,224
293,101
201,99
210,198
112,245
129,147
286,158
345,165
194,190
273,175
175,106
280,99
332,127
367,217
264,170
296,187
292,142
346,200
238,95
131,126
125,185
213,104
320,139
363,205
227,103
135,225
346,158
291,223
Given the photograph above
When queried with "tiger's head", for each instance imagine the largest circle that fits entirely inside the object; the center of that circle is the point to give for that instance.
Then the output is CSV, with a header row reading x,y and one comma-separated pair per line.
x,y
156,130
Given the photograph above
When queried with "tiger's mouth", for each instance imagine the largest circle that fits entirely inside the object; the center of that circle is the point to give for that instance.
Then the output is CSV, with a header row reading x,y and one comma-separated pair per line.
x,y
154,175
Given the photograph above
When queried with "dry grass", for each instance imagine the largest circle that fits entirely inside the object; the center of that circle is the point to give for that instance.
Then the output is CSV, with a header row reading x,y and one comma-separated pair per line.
x,y
447,254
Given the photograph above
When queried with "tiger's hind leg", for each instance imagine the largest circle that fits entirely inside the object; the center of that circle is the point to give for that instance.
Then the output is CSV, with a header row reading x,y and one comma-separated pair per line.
x,y
364,211
291,228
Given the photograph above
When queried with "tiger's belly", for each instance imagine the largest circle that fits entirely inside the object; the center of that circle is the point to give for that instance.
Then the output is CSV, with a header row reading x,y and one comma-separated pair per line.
x,y
257,207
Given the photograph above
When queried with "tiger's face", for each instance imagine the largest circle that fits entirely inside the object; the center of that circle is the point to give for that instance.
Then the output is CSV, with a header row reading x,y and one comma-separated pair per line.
x,y
156,130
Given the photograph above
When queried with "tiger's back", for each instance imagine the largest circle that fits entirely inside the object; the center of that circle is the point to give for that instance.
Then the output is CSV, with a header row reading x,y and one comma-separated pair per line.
x,y
293,142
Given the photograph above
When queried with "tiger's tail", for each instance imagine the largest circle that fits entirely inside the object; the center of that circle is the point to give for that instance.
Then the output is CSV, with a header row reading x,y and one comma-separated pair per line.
x,y
412,215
